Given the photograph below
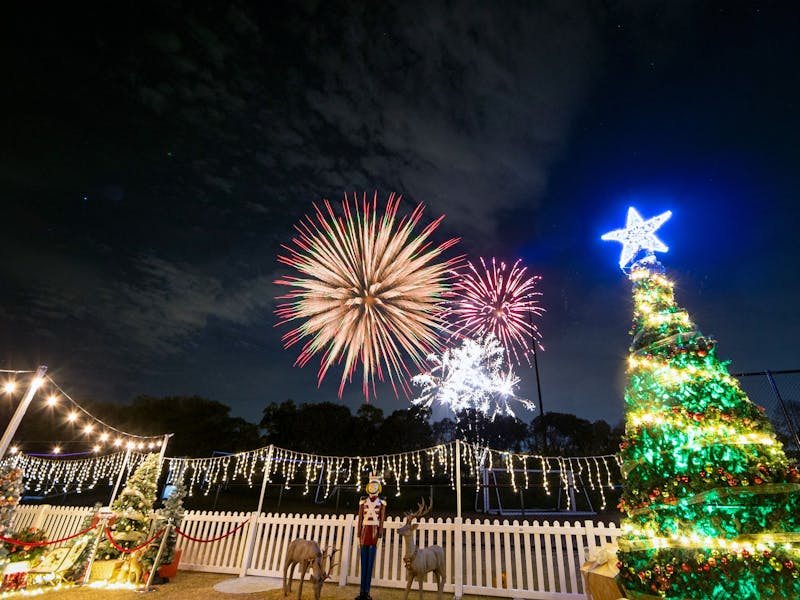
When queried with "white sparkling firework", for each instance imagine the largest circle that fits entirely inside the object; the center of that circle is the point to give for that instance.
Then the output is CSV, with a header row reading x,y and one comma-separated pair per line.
x,y
471,376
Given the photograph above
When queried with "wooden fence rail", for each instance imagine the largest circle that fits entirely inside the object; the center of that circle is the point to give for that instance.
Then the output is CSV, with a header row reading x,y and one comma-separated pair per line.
x,y
517,559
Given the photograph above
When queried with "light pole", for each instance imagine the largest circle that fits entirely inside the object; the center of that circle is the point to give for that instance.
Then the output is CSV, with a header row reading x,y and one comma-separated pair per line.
x,y
538,384
36,381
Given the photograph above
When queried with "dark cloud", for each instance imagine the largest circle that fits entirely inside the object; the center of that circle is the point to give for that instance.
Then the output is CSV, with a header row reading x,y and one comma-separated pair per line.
x,y
159,153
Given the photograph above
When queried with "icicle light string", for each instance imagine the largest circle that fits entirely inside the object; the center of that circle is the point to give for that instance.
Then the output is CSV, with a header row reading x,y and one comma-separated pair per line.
x,y
43,475
331,471
47,474
570,469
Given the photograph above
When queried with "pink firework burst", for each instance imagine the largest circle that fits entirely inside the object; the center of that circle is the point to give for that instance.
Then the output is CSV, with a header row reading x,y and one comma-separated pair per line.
x,y
368,291
500,300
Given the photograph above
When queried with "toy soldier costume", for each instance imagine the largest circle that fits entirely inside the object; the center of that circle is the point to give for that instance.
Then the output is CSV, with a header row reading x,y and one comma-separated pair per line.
x,y
371,514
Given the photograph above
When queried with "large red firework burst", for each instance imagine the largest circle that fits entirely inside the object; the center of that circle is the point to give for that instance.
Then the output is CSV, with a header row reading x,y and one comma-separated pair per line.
x,y
500,300
369,290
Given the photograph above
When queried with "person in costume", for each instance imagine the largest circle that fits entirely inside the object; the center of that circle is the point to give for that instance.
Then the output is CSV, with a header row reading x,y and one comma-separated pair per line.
x,y
371,514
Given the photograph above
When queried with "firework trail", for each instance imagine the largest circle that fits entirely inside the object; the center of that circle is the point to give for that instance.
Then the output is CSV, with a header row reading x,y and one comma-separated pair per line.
x,y
500,301
369,290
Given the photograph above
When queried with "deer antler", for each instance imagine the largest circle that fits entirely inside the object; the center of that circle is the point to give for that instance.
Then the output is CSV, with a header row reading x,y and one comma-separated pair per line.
x,y
421,511
329,556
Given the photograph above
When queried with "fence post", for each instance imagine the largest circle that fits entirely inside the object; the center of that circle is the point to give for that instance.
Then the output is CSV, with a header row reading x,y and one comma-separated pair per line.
x,y
347,548
40,516
250,540
458,558
590,542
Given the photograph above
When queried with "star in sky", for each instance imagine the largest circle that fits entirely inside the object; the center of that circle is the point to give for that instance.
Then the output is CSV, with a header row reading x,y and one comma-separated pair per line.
x,y
638,235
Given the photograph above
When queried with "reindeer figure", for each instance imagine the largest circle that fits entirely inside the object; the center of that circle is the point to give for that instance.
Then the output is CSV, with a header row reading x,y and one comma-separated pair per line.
x,y
420,561
307,554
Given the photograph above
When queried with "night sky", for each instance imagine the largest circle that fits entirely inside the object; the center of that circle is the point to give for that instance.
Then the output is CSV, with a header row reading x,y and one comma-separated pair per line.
x,y
156,154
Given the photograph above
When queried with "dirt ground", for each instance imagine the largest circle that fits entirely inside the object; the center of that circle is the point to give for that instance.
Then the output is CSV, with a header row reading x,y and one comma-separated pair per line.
x,y
200,586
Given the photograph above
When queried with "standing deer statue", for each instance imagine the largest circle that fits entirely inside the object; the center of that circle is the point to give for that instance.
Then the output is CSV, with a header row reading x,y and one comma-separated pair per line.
x,y
420,561
307,554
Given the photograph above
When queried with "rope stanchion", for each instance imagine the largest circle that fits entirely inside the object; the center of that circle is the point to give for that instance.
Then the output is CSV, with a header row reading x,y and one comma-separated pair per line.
x,y
130,550
216,539
157,560
24,544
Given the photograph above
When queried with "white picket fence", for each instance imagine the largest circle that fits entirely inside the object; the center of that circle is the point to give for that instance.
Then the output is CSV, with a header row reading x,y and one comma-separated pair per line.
x,y
517,559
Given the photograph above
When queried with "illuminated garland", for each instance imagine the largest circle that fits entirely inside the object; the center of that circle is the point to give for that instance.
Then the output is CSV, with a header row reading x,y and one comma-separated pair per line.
x,y
43,475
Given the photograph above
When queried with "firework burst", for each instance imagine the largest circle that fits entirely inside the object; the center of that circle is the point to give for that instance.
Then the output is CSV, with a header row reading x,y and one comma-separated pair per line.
x,y
471,376
498,300
369,290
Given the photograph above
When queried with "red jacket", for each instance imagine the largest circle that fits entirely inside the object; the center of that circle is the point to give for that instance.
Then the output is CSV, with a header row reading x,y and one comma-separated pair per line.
x,y
371,513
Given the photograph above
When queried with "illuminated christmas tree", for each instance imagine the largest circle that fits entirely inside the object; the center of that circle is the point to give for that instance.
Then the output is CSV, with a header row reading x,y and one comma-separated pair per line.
x,y
712,503
133,509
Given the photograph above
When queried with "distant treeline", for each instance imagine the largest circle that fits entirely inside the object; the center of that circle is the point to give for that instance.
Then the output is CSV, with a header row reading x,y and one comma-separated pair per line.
x,y
203,427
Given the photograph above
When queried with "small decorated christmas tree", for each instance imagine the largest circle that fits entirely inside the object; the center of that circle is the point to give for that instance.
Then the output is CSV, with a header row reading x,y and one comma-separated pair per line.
x,y
171,512
133,509
712,504
10,492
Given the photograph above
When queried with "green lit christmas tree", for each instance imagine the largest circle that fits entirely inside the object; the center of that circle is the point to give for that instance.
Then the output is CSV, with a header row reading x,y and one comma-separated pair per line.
x,y
133,509
712,503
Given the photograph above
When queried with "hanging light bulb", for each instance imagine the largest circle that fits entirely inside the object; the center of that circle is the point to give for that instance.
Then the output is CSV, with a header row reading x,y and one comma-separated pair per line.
x,y
104,437
52,400
96,448
118,442
13,450
9,386
56,449
72,416
88,429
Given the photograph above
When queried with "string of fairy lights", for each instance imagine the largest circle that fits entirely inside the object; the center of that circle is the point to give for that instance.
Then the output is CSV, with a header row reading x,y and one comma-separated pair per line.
x,y
102,436
288,467
44,475
598,473
291,466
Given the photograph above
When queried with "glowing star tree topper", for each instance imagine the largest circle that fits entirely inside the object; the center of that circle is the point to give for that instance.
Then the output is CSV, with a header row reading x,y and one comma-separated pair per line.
x,y
638,238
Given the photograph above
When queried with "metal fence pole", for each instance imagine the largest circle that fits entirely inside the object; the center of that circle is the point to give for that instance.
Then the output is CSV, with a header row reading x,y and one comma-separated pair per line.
x,y
786,415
